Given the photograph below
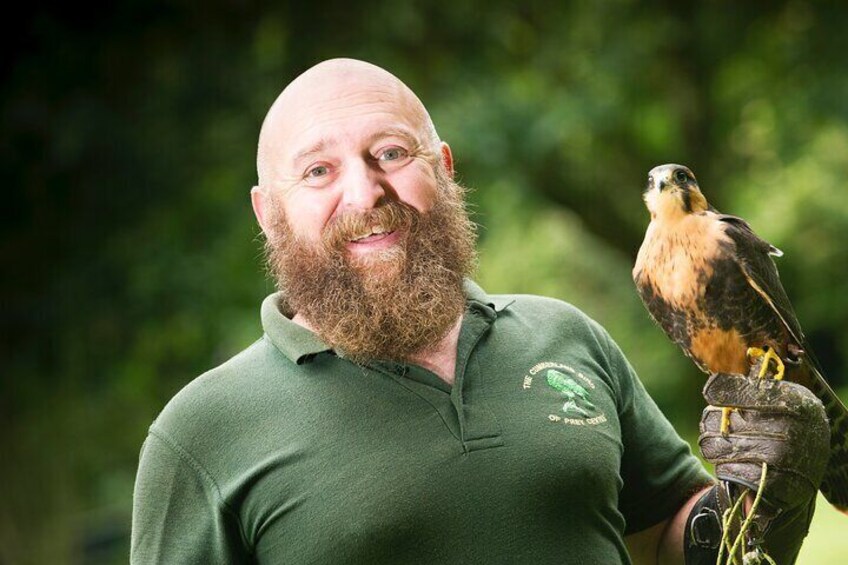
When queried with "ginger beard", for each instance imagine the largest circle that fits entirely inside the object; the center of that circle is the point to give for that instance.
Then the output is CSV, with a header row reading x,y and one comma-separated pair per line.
x,y
389,304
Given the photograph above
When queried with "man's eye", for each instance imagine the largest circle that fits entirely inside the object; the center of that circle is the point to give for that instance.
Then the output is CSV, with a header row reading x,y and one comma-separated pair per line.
x,y
393,154
317,172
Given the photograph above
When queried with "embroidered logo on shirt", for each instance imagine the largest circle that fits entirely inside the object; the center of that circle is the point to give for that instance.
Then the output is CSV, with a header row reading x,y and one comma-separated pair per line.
x,y
575,392
577,398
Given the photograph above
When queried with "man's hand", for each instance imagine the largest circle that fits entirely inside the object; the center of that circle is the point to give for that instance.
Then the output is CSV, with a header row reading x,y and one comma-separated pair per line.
x,y
776,422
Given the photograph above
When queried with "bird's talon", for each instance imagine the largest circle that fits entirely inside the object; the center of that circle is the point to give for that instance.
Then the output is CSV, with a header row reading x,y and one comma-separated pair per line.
x,y
767,355
724,428
755,352
778,364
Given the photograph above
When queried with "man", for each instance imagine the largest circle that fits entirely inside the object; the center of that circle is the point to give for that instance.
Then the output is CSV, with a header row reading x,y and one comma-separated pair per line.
x,y
393,412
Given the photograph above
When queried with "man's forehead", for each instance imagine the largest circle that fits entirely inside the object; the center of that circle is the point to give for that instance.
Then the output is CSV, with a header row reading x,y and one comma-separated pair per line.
x,y
335,107
334,94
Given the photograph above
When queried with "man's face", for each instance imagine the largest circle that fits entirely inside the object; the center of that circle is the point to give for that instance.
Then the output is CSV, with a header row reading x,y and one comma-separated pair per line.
x,y
346,153
367,235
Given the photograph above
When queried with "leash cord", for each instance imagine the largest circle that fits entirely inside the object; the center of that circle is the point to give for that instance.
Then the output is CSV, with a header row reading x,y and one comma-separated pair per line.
x,y
727,520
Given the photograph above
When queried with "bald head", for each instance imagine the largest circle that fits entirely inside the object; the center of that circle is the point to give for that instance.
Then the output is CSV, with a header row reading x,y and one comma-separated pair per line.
x,y
326,95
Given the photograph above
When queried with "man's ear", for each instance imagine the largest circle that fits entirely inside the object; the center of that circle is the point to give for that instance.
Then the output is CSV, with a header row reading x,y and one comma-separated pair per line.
x,y
261,201
447,159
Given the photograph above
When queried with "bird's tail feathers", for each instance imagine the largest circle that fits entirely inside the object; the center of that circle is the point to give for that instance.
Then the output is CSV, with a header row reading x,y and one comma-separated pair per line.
x,y
835,483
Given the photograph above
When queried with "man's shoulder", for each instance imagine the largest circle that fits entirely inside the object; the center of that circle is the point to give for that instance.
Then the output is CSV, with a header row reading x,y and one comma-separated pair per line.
x,y
547,311
213,399
552,321
537,301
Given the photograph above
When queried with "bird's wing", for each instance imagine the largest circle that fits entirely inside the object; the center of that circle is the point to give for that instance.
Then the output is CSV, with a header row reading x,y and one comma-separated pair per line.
x,y
753,255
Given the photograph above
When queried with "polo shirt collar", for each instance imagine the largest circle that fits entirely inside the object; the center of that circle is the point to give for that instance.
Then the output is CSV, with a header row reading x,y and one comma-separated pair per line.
x,y
474,293
300,344
293,340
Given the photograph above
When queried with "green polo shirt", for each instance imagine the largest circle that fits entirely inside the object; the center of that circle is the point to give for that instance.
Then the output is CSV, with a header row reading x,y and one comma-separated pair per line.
x,y
546,449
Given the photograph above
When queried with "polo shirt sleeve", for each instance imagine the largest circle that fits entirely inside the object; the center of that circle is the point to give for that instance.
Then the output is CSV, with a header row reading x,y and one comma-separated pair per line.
x,y
178,515
658,469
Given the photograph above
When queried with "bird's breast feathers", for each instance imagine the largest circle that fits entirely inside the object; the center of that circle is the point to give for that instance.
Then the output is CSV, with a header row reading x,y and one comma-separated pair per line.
x,y
673,271
677,258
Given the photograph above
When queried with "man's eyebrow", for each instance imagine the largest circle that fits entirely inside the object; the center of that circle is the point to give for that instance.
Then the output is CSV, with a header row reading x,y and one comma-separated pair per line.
x,y
310,151
322,144
400,132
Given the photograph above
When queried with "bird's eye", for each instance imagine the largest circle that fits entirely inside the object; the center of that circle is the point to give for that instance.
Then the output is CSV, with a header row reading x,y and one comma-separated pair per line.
x,y
681,176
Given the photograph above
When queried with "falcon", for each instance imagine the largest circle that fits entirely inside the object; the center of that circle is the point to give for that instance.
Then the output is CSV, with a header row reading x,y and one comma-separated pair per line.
x,y
710,282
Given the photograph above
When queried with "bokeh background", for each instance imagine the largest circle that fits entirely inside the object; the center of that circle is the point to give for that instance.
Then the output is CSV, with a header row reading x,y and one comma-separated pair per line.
x,y
131,258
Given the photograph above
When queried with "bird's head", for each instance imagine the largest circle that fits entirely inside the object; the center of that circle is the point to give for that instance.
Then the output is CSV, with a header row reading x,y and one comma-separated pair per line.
x,y
673,192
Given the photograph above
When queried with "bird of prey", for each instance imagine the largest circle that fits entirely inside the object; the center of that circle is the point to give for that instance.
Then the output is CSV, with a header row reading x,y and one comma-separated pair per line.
x,y
709,281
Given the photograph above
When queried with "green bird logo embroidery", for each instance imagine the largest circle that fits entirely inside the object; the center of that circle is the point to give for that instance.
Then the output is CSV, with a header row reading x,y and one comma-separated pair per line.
x,y
576,397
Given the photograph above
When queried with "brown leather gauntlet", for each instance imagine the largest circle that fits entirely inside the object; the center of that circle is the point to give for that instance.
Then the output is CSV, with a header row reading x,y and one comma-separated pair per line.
x,y
779,423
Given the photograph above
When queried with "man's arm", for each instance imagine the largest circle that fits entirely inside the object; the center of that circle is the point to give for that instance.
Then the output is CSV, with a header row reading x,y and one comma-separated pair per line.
x,y
662,544
778,423
178,516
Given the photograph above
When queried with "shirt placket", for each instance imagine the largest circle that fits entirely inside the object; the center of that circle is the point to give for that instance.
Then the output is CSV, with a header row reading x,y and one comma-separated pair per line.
x,y
474,426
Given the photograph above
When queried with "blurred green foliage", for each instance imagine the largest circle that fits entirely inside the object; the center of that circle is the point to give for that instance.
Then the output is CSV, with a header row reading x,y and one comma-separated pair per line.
x,y
132,258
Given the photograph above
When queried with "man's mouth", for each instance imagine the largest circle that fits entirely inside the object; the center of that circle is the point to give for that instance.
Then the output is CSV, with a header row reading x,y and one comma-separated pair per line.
x,y
374,234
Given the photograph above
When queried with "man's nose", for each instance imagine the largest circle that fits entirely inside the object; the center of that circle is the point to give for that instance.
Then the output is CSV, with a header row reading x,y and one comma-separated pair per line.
x,y
363,186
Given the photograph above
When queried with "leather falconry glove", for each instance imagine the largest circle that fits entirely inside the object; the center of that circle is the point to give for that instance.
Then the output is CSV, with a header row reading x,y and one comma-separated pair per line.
x,y
779,423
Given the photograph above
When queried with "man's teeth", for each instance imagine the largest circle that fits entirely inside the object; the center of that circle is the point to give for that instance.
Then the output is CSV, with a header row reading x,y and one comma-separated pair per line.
x,y
374,231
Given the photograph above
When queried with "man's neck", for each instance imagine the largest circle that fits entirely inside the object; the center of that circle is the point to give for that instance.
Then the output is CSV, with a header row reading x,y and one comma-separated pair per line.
x,y
439,359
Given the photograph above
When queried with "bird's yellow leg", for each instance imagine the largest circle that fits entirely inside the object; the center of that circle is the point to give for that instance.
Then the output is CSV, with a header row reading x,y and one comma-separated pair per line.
x,y
768,355
724,428
779,368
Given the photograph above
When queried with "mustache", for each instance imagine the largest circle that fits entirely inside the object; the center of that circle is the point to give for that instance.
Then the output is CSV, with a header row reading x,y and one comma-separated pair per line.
x,y
391,216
